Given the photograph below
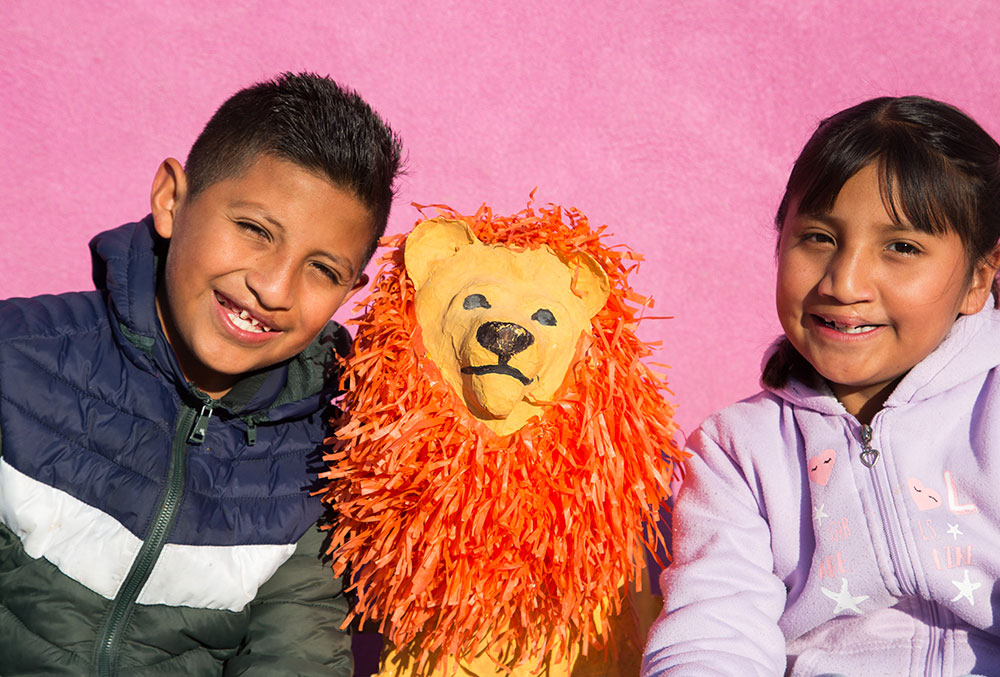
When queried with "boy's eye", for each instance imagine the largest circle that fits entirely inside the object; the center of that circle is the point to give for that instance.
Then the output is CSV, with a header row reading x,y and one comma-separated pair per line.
x,y
544,316
254,229
330,273
473,301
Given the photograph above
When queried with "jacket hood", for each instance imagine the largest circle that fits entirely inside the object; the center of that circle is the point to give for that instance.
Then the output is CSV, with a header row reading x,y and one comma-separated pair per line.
x,y
125,266
971,348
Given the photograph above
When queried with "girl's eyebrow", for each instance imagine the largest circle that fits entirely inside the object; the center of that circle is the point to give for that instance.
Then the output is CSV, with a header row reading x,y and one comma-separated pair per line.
x,y
829,219
826,218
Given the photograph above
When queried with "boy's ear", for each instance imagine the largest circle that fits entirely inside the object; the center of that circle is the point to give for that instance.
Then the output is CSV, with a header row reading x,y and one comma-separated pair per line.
x,y
168,192
981,284
358,286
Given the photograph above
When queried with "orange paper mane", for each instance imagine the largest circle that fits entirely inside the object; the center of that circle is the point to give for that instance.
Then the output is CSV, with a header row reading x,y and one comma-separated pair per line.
x,y
459,539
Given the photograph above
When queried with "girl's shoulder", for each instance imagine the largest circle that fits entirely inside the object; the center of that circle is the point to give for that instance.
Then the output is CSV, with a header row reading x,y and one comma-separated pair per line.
x,y
749,424
769,410
761,408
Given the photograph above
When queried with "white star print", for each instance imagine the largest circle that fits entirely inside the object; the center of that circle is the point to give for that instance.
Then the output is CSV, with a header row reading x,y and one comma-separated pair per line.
x,y
844,599
954,530
819,513
966,588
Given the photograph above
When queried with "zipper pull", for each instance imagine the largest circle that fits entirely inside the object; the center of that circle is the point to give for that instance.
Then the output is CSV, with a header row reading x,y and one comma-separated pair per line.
x,y
868,455
197,435
251,432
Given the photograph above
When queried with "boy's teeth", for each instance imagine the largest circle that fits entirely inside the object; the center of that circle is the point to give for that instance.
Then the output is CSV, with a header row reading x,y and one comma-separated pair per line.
x,y
244,321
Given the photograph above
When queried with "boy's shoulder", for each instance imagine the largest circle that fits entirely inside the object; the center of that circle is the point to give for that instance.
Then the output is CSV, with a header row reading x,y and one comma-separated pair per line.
x,y
52,316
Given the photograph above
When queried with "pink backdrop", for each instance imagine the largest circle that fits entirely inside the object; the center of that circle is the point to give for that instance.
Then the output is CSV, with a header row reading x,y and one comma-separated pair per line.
x,y
673,122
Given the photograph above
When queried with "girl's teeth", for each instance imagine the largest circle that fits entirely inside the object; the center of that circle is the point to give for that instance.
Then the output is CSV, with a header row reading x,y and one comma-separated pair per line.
x,y
845,329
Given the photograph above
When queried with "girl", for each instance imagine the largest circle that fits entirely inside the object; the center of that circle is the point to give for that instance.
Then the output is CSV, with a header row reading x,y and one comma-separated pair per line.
x,y
845,520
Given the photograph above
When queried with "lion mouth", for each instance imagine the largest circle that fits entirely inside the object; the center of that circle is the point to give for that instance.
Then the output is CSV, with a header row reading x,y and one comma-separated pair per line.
x,y
504,369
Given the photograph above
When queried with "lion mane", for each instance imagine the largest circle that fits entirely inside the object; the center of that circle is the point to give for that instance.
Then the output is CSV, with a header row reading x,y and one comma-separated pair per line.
x,y
460,539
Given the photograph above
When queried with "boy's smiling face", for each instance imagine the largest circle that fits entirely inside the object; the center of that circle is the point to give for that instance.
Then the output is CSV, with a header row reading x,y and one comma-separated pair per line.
x,y
256,266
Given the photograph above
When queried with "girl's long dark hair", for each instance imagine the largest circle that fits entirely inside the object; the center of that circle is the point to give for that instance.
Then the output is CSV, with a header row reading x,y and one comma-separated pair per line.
x,y
939,170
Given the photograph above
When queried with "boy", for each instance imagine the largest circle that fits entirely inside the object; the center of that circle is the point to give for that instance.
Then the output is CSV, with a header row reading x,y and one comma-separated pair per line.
x,y
155,435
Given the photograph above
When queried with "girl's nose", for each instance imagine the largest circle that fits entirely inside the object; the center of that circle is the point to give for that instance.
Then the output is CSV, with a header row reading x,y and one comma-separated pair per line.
x,y
848,278
272,281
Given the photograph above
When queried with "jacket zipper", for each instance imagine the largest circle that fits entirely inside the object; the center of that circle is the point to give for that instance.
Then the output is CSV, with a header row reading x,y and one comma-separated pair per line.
x,y
190,428
869,456
892,526
935,639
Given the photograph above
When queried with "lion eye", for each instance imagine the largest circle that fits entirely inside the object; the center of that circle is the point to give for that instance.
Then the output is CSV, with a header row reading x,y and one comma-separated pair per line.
x,y
473,301
544,316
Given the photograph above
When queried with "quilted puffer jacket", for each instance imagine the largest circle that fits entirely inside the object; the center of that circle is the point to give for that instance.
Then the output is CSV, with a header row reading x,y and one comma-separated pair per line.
x,y
145,528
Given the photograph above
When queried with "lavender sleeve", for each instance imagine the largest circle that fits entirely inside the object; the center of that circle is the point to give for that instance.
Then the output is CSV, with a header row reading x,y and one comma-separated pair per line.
x,y
722,599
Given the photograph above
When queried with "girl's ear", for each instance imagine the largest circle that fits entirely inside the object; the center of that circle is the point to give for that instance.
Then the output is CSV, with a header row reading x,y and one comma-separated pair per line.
x,y
981,284
166,196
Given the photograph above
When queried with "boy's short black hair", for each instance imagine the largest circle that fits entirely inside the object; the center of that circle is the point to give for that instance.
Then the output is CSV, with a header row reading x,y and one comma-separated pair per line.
x,y
309,120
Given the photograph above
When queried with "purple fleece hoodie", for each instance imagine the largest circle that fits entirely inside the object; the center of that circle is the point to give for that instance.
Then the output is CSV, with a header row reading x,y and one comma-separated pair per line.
x,y
793,556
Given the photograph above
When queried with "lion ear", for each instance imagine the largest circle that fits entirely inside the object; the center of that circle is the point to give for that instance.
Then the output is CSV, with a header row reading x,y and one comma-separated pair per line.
x,y
590,282
431,242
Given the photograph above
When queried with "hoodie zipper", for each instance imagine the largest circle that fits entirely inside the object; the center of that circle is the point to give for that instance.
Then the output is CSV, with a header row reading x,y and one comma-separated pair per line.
x,y
869,456
936,631
899,558
190,428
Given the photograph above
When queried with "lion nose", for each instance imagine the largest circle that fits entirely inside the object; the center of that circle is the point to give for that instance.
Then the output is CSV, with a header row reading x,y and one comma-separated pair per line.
x,y
504,339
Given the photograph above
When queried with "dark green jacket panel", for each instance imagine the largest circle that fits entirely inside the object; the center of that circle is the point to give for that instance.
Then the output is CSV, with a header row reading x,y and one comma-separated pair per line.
x,y
48,624
297,615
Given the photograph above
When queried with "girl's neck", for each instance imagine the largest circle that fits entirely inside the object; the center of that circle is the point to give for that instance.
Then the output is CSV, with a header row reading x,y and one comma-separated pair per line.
x,y
863,402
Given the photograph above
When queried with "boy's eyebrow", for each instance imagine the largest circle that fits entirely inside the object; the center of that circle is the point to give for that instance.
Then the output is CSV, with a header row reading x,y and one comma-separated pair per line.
x,y
336,258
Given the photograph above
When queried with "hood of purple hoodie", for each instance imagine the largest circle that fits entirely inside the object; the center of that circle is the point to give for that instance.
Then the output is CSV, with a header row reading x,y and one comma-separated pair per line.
x,y
971,347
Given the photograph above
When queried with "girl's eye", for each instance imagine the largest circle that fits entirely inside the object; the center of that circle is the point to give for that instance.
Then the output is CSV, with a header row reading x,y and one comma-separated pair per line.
x,y
817,237
904,248
544,316
473,301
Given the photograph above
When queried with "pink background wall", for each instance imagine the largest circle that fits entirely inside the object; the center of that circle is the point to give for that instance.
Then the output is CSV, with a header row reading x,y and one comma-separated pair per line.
x,y
673,122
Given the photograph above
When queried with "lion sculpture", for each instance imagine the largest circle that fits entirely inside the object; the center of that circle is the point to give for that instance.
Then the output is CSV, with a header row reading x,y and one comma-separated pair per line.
x,y
497,475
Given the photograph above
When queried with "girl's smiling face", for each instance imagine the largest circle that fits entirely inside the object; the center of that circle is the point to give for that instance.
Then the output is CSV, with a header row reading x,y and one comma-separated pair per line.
x,y
864,298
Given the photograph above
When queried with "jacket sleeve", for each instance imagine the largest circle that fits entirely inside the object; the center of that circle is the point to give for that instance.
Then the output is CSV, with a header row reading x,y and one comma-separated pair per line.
x,y
722,600
295,620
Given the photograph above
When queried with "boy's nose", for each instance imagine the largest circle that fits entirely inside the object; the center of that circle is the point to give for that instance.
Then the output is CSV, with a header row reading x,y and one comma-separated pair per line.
x,y
273,283
848,278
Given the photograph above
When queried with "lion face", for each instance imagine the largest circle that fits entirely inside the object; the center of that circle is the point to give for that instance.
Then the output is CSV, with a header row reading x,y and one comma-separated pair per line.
x,y
501,325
